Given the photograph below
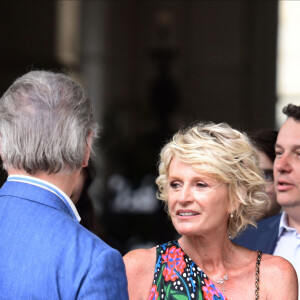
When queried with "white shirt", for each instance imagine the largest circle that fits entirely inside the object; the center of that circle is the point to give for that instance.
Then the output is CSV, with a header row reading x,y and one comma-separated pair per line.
x,y
47,186
288,245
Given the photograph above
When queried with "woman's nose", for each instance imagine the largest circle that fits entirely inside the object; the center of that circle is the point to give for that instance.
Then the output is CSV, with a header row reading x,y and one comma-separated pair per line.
x,y
186,194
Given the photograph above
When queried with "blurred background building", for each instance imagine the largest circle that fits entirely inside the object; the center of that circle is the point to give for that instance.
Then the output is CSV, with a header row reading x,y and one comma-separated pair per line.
x,y
151,67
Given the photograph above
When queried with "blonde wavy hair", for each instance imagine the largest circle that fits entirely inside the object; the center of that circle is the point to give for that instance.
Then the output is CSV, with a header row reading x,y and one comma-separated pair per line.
x,y
226,154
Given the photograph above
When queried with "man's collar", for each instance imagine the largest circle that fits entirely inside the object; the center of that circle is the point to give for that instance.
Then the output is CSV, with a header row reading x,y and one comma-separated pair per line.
x,y
283,225
48,186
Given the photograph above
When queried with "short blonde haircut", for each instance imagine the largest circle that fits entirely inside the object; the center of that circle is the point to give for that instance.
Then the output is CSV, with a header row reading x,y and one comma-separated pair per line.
x,y
226,154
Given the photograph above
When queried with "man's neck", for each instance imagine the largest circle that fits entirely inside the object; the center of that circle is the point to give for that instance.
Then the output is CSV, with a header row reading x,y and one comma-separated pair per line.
x,y
64,181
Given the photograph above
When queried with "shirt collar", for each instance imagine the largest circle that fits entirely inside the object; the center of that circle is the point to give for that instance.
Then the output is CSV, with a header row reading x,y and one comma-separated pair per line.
x,y
283,225
47,186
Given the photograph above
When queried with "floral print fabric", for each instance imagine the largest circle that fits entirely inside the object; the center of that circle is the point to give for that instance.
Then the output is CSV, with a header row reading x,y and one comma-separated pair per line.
x,y
177,277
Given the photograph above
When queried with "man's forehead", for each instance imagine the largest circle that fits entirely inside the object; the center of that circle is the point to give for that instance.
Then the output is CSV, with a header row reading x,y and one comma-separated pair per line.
x,y
289,133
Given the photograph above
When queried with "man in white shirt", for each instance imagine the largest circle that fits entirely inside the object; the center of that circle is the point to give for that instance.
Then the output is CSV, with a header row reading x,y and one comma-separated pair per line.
x,y
46,136
280,235
287,181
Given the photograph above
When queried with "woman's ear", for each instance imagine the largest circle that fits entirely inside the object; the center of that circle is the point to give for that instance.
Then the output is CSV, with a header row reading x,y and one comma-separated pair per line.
x,y
235,198
232,206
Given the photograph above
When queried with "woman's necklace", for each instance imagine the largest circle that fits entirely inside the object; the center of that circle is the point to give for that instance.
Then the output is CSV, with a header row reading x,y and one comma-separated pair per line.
x,y
222,281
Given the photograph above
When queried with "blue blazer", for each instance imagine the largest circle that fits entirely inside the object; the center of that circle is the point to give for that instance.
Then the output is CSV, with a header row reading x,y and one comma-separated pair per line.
x,y
263,238
46,254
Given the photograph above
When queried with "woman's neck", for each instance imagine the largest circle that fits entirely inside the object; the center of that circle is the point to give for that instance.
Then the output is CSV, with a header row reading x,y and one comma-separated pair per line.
x,y
213,256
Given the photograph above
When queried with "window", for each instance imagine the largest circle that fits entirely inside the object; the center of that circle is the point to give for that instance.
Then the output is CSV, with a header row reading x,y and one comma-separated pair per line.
x,y
288,57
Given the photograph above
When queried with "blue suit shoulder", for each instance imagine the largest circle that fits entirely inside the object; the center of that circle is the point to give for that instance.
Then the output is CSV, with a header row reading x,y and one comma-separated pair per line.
x,y
264,237
54,256
102,266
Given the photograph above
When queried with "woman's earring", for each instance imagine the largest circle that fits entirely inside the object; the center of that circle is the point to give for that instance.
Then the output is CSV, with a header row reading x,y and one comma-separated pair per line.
x,y
231,215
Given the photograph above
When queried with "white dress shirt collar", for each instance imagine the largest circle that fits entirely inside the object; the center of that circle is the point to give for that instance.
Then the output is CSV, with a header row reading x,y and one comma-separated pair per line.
x,y
283,225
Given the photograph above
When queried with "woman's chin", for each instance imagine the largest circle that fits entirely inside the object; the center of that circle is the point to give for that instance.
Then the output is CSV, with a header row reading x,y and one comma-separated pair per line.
x,y
187,231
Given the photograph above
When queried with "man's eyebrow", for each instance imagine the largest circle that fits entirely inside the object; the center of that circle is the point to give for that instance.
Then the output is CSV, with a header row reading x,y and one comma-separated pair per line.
x,y
293,147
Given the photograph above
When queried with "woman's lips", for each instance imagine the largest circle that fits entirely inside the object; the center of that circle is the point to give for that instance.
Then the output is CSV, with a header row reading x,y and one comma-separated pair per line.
x,y
186,213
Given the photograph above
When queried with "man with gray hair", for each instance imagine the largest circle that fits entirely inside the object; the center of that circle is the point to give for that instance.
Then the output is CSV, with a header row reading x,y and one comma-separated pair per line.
x,y
46,136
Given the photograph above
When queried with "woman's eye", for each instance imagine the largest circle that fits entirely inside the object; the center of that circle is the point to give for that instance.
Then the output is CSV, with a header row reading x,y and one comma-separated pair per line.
x,y
201,184
174,185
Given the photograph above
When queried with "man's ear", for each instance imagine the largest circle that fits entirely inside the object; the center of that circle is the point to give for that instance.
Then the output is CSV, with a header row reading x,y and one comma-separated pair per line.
x,y
1,151
87,152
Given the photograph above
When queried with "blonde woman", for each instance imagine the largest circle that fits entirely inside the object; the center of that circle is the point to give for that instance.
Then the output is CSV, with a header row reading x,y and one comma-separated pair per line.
x,y
213,188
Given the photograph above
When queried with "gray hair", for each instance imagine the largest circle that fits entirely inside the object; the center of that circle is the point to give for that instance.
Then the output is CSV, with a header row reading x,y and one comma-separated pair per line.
x,y
45,121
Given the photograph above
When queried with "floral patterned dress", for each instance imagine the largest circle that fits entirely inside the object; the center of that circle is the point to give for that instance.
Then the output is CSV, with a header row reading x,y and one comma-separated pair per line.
x,y
177,277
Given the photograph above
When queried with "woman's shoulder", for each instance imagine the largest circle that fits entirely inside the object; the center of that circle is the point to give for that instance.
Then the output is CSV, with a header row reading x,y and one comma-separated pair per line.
x,y
140,266
278,277
273,275
140,262
276,263
140,257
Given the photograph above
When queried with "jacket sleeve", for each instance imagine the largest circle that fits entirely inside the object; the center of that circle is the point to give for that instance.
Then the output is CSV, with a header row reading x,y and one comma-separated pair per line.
x,y
106,280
